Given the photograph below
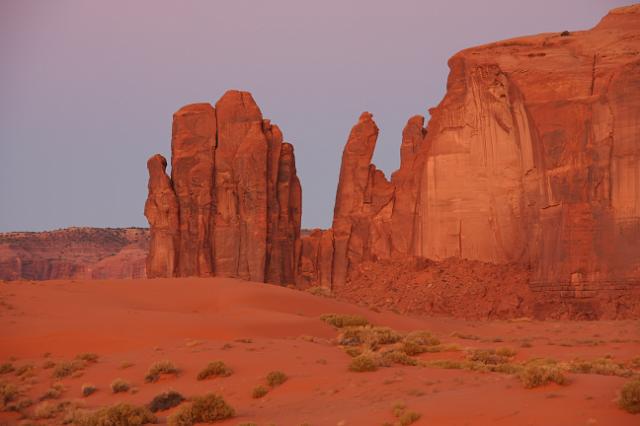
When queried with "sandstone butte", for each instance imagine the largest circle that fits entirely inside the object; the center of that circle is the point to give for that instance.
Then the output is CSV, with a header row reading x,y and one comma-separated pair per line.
x,y
232,205
532,158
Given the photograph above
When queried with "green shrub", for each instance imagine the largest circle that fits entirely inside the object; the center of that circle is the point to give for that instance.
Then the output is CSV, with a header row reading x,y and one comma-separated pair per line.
x,y
630,397
120,385
259,392
158,369
203,409
535,375
276,378
215,369
340,320
165,400
117,415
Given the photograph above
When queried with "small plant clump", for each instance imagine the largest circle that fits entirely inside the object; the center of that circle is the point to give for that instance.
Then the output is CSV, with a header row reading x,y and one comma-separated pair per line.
x,y
418,342
405,417
88,389
363,363
87,357
67,368
120,414
630,397
603,366
48,364
276,378
491,356
158,369
54,392
24,369
343,320
8,393
259,392
203,409
539,374
367,335
6,368
120,385
165,400
215,369
397,357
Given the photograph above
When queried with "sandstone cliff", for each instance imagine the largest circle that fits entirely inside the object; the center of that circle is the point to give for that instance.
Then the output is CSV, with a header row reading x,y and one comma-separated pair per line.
x,y
532,158
74,253
232,206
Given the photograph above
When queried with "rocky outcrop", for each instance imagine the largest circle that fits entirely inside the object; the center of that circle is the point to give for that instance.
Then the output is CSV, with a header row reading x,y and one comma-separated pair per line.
x,y
232,206
74,253
532,158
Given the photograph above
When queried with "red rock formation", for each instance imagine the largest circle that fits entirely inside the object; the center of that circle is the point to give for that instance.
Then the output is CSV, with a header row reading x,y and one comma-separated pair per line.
x,y
531,158
74,253
237,196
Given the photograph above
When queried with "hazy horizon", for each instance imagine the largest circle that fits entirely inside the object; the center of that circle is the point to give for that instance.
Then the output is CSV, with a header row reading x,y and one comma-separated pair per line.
x,y
88,89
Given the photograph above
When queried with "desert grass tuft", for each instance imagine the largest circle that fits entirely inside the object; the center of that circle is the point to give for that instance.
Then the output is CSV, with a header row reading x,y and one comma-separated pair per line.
x,y
165,401
120,385
276,378
602,366
88,389
630,397
418,342
54,392
215,369
67,368
8,393
259,392
158,369
87,357
6,368
343,320
538,374
365,362
203,409
117,415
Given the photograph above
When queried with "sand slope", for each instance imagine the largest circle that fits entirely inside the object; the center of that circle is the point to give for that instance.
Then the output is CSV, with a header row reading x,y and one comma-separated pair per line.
x,y
194,321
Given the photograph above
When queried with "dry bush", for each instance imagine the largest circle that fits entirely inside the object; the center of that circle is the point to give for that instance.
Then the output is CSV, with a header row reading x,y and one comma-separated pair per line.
x,y
117,415
340,320
54,392
366,362
465,336
50,409
405,418
67,368
603,366
87,357
24,370
165,400
490,356
88,389
259,392
215,369
6,368
8,393
396,357
447,364
418,342
120,385
126,364
204,409
353,351
48,364
630,397
276,378
367,335
158,369
540,374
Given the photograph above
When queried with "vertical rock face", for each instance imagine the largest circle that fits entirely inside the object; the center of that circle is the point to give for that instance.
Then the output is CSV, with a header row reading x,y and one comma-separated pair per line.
x,y
532,157
233,204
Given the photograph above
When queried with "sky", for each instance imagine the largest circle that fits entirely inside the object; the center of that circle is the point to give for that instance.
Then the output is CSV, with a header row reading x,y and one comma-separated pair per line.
x,y
88,88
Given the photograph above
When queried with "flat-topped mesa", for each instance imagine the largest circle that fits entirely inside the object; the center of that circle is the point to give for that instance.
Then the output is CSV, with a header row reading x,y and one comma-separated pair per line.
x,y
532,157
234,196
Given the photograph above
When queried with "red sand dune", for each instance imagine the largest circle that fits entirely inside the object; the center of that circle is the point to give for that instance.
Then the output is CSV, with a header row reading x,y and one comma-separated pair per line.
x,y
189,321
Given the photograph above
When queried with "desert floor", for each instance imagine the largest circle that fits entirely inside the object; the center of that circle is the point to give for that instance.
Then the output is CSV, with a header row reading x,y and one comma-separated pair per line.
x,y
257,328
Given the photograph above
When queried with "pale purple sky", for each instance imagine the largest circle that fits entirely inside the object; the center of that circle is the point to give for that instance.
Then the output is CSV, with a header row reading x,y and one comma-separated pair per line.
x,y
87,89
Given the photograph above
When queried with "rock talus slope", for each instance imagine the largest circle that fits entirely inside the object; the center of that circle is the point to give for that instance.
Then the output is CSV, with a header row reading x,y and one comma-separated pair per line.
x,y
232,205
532,158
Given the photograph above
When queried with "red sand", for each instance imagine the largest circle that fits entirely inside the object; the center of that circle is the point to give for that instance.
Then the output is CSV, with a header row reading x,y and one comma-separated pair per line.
x,y
188,321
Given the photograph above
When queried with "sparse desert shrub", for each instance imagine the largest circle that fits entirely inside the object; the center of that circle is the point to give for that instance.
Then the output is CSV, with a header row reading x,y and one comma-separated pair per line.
x,y
396,357
67,368
364,362
276,378
48,364
448,364
418,342
6,368
88,389
405,418
259,392
54,392
603,366
203,409
630,397
117,415
490,356
19,406
340,320
87,357
373,337
120,385
353,351
535,375
565,33
465,336
158,369
165,400
215,369
50,409
8,393
24,369
126,364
